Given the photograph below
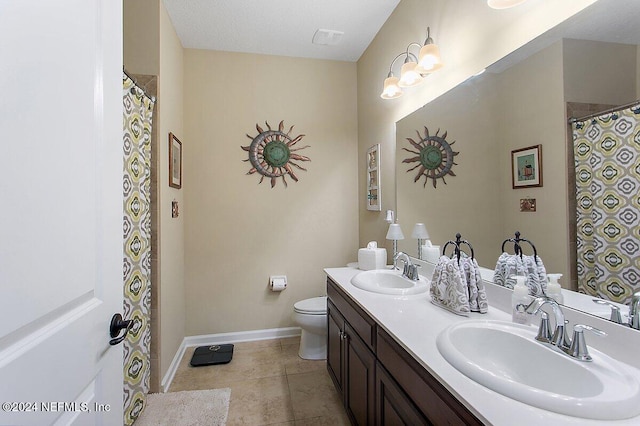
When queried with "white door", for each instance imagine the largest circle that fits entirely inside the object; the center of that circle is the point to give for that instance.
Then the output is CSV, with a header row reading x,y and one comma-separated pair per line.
x,y
60,211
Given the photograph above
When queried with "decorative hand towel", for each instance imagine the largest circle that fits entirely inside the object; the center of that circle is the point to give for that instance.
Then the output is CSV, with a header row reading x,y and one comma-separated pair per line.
x,y
536,275
448,289
510,265
477,293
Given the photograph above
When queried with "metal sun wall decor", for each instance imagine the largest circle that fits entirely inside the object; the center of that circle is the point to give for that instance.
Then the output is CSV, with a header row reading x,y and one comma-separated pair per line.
x,y
434,156
271,154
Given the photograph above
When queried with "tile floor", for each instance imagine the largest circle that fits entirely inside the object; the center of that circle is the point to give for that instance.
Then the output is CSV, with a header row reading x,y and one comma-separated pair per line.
x,y
270,385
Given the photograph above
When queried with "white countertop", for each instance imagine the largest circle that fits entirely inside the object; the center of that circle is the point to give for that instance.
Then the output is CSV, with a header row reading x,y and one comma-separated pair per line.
x,y
415,324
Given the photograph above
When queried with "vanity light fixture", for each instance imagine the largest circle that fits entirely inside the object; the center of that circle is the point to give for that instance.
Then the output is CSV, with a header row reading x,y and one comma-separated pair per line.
x,y
503,4
421,234
429,59
395,233
414,69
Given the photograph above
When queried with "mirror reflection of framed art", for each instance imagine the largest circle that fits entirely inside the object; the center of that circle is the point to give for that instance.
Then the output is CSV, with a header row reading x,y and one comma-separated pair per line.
x,y
175,162
526,167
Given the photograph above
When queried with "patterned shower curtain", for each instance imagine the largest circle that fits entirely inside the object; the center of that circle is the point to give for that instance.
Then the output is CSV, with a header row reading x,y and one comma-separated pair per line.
x,y
138,114
607,158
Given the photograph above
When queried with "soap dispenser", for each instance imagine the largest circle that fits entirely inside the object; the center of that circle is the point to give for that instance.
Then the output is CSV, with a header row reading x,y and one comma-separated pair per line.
x,y
520,299
554,290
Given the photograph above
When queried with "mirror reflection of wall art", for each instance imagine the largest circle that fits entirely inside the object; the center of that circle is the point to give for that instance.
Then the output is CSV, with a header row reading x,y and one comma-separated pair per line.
x,y
175,162
373,178
526,167
527,204
434,156
271,154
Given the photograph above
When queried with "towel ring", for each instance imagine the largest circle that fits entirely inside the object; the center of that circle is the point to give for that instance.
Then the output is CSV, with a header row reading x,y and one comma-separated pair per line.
x,y
517,248
457,250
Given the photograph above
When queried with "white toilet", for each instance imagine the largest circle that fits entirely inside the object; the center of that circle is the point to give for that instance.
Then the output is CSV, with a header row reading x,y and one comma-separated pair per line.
x,y
311,316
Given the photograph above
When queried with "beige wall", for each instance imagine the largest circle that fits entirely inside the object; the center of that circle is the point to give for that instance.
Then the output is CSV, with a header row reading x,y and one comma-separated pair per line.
x,y
170,119
152,47
638,72
141,23
598,72
238,232
467,202
471,37
532,112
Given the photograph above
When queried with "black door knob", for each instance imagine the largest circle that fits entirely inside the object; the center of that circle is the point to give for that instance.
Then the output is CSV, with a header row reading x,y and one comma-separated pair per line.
x,y
117,324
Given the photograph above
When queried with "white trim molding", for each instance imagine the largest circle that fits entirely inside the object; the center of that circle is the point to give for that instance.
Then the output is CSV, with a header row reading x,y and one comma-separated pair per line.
x,y
217,339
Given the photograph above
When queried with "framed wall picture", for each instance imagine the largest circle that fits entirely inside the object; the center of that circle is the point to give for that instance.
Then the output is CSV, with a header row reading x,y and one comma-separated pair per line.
x,y
175,162
526,167
373,178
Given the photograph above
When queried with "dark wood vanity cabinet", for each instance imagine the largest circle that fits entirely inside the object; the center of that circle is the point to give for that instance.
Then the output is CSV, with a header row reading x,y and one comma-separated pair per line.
x,y
393,406
335,326
380,383
351,365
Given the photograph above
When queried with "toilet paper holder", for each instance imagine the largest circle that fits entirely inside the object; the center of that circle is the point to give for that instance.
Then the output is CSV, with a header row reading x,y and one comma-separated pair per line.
x,y
277,282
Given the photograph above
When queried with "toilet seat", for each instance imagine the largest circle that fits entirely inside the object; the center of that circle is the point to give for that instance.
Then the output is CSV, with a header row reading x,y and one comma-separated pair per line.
x,y
313,306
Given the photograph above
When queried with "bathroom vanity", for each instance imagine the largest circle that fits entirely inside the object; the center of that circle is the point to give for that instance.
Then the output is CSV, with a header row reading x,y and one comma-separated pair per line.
x,y
368,366
383,359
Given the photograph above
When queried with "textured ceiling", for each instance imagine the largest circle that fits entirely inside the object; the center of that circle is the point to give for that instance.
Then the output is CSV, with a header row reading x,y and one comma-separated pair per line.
x,y
287,27
279,27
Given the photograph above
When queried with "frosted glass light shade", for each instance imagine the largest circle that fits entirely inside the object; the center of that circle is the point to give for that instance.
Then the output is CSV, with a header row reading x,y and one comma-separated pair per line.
x,y
391,89
503,4
420,232
409,77
394,232
429,59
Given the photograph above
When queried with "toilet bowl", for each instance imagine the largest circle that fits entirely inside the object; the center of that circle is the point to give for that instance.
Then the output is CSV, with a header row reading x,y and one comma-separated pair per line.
x,y
311,316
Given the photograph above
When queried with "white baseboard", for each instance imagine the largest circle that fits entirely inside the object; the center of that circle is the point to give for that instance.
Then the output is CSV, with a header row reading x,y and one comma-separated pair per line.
x,y
221,338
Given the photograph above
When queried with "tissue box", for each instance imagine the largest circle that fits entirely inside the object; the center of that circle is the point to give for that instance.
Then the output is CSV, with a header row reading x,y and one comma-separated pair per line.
x,y
431,254
374,258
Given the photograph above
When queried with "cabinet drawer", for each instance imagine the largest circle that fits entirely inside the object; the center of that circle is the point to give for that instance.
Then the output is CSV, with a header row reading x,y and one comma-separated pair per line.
x,y
359,320
431,398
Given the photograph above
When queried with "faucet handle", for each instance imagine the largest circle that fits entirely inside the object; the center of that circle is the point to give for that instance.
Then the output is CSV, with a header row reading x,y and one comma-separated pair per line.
x,y
578,347
615,311
634,311
544,330
413,272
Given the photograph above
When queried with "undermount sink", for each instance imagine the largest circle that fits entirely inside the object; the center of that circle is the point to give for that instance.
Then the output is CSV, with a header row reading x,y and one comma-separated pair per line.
x,y
505,357
389,281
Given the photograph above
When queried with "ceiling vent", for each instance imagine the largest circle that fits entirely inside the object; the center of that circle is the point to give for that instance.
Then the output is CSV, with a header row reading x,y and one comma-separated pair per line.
x,y
327,37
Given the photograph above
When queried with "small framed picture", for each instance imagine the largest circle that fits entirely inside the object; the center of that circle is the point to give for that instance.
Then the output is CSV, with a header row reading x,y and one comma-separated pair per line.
x,y
175,162
526,167
373,178
527,204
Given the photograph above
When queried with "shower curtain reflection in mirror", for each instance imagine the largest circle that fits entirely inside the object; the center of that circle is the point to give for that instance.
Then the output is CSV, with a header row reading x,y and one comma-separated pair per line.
x,y
607,160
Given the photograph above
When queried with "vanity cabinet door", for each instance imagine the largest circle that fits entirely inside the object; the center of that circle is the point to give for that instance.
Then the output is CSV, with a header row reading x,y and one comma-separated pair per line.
x,y
433,400
393,407
359,384
335,325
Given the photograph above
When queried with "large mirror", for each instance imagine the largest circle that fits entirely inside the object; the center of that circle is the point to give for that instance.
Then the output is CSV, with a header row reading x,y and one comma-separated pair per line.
x,y
588,63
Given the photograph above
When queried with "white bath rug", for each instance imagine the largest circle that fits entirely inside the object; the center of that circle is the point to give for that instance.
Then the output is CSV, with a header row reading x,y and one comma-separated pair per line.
x,y
186,408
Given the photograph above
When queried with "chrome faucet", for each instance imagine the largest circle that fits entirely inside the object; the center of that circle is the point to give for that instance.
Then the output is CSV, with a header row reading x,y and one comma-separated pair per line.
x,y
410,270
634,311
575,347
558,337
